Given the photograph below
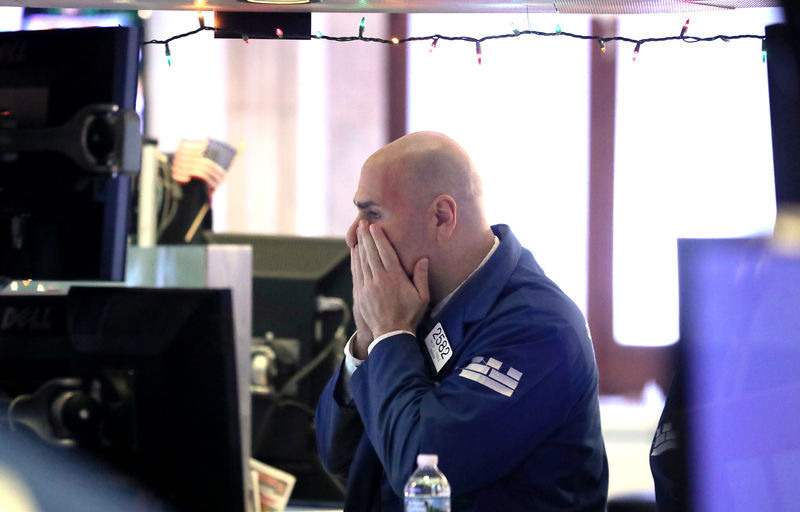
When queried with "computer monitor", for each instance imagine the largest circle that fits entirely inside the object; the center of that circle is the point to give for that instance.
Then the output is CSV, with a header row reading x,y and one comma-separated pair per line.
x,y
141,379
58,219
740,351
48,18
290,275
783,71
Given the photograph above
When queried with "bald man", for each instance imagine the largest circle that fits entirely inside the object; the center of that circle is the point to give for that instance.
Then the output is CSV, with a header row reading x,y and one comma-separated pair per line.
x,y
463,348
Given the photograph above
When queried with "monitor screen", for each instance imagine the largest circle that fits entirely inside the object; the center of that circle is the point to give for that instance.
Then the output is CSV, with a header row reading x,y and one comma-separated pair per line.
x,y
58,220
740,344
141,379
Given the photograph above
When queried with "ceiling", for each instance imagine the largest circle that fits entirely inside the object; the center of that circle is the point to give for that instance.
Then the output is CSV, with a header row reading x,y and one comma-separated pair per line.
x,y
413,6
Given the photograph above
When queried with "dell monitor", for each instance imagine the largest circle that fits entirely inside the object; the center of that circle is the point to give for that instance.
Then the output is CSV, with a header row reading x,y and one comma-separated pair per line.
x,y
143,380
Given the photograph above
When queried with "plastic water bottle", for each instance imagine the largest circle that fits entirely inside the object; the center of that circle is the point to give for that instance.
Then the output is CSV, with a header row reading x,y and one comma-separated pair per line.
x,y
427,490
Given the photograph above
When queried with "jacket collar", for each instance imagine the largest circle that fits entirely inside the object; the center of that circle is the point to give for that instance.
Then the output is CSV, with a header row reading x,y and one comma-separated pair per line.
x,y
476,297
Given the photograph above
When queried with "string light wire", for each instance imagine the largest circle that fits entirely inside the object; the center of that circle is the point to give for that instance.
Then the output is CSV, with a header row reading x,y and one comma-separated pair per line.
x,y
606,39
601,40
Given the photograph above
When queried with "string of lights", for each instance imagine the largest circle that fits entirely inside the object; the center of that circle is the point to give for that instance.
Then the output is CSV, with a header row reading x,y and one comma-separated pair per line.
x,y
435,38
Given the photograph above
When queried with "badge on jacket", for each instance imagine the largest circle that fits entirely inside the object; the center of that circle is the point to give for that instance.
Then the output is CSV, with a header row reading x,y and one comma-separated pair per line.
x,y
438,346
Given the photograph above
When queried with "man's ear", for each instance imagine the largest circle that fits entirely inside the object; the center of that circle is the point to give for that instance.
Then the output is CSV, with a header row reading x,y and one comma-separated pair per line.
x,y
445,215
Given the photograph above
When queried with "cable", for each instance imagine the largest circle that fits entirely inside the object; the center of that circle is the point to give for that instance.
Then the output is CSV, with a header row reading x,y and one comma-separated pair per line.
x,y
475,40
339,338
311,366
179,36
308,410
288,402
324,304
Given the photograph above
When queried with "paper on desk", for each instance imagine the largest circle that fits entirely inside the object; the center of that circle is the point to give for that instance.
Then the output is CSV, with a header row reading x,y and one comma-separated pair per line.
x,y
274,486
254,493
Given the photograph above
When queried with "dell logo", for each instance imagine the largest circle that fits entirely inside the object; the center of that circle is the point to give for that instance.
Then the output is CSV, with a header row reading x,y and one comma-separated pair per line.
x,y
26,318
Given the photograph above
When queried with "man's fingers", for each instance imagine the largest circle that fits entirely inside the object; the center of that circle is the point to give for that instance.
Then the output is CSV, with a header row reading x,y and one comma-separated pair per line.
x,y
366,271
368,243
355,267
421,279
385,249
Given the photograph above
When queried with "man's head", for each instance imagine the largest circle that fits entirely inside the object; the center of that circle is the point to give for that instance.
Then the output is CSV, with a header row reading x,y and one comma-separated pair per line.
x,y
424,192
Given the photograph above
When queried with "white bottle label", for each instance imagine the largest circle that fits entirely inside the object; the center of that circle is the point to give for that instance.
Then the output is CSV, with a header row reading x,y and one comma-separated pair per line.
x,y
427,505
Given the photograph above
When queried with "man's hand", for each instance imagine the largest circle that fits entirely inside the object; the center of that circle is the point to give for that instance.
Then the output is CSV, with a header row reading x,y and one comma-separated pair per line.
x,y
363,335
387,299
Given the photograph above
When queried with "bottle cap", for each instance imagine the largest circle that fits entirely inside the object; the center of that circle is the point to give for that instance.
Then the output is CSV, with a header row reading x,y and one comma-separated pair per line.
x,y
426,459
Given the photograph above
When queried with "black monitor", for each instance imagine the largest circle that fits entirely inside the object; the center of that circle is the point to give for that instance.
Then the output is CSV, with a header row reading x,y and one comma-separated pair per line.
x,y
64,217
783,70
740,348
290,276
143,380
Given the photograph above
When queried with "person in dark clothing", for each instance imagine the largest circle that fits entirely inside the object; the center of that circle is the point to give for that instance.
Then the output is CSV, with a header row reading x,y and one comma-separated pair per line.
x,y
464,348
667,453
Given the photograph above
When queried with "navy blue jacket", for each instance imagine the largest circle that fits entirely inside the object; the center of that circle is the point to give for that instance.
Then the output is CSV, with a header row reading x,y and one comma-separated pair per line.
x,y
513,414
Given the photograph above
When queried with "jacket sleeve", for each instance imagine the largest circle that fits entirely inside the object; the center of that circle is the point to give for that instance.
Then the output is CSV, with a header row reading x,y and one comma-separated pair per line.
x,y
479,430
338,428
